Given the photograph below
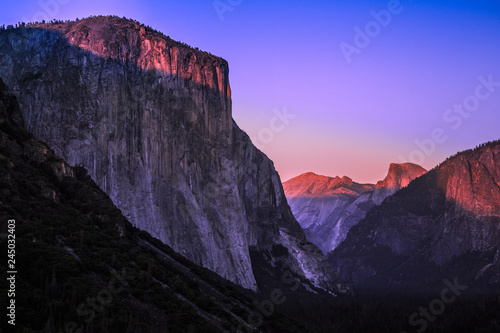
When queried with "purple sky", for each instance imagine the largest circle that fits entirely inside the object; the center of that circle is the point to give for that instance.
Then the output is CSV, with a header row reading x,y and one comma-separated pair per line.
x,y
315,95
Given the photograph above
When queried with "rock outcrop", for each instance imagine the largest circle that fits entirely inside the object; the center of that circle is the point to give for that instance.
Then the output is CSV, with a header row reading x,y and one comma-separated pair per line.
x,y
327,208
399,176
150,118
445,224
75,250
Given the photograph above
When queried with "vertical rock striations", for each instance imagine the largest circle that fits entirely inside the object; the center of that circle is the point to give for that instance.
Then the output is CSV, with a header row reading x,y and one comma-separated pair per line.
x,y
150,118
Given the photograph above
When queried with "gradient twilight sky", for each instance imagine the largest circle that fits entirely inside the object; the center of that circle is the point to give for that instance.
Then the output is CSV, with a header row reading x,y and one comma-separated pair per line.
x,y
349,118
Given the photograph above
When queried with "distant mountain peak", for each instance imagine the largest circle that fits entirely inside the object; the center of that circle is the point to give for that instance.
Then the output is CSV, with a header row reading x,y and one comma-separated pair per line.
x,y
405,167
327,207
445,223
399,176
346,179
312,185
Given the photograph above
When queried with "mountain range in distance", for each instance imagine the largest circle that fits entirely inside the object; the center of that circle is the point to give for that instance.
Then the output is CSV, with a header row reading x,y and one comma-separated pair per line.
x,y
444,224
411,230
327,208
119,153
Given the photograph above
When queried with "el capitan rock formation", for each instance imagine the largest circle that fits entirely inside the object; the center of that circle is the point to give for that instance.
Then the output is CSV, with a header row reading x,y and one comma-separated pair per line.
x,y
150,118
328,207
71,240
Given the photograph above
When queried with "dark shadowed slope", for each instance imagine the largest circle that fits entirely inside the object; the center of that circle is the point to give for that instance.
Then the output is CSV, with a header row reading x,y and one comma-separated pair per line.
x,y
445,224
81,264
150,119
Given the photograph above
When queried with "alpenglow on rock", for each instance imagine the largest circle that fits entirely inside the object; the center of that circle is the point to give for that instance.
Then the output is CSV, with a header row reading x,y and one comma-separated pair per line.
x,y
445,224
327,208
150,118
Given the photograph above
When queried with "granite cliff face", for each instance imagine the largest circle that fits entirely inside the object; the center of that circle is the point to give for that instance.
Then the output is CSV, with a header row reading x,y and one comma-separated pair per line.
x,y
150,118
444,224
328,207
399,176
71,239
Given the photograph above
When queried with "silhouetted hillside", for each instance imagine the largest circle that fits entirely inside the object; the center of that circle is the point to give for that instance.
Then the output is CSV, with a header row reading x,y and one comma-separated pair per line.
x,y
80,263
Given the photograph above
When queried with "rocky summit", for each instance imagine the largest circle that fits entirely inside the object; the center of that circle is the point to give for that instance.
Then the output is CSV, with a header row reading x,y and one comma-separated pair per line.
x,y
150,118
399,176
445,224
327,208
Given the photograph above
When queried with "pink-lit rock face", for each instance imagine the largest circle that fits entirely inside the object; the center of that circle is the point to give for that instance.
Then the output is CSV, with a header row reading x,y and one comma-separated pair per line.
x,y
474,182
313,185
399,176
327,208
129,42
445,223
150,119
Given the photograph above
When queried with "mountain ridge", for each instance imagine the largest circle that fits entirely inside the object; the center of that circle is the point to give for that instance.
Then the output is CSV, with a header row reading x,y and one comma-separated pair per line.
x,y
328,207
446,223
151,121
83,267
